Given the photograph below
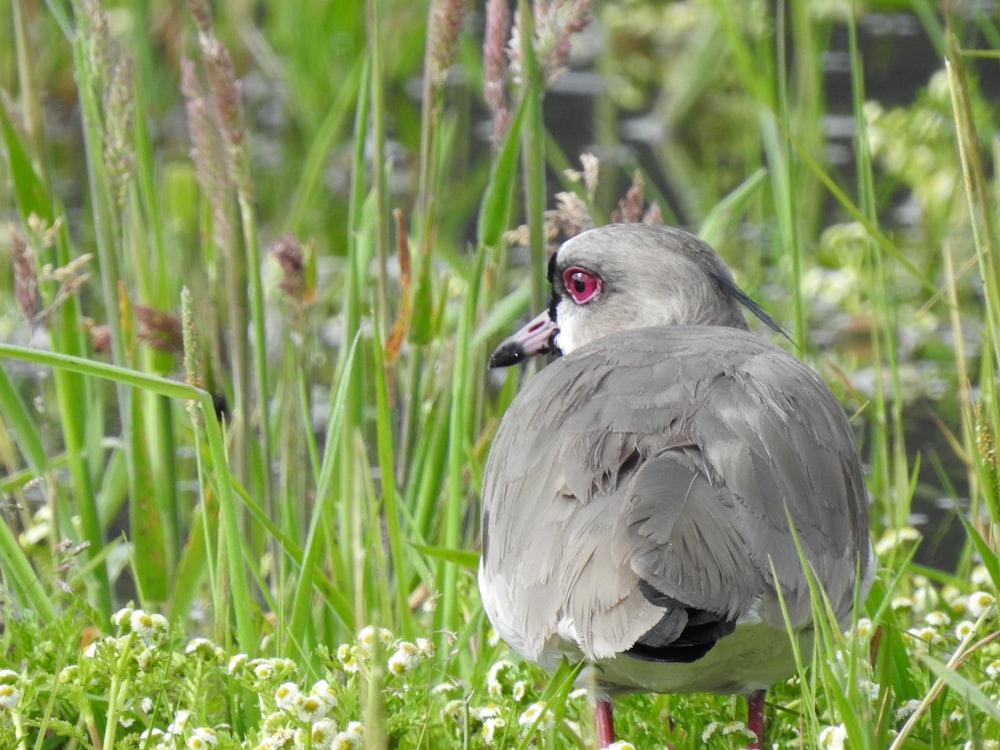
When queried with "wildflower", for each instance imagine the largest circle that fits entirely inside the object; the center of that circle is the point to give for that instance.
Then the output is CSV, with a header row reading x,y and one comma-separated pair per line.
x,y
368,637
926,635
351,738
443,688
203,648
739,729
621,745
141,624
146,704
518,690
490,727
180,721
9,696
964,628
979,602
323,732
347,656
489,711
286,694
863,628
578,693
710,729
993,668
263,669
324,693
69,675
936,618
122,616
901,602
237,663
906,709
493,684
980,576
833,737
406,657
202,738
536,712
310,708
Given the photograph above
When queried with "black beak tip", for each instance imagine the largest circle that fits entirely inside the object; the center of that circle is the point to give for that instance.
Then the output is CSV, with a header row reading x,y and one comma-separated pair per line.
x,y
507,354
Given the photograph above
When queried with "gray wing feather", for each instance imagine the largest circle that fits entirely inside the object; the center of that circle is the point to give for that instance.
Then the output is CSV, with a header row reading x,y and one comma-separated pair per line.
x,y
676,457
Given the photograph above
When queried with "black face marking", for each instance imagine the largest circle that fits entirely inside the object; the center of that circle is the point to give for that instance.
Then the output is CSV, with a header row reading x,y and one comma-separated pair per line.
x,y
729,287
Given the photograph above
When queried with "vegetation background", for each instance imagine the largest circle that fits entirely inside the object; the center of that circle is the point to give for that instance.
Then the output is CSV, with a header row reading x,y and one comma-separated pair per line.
x,y
256,258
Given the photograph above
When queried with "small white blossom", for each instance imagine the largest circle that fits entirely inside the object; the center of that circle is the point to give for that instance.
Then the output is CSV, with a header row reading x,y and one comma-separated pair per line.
x,y
322,691
518,690
490,727
263,670
368,636
532,713
493,684
9,696
964,628
323,733
351,738
833,737
310,708
993,668
202,647
146,704
202,738
621,745
286,694
426,646
180,721
142,624
937,618
905,709
122,616
578,693
979,602
980,576
405,658
901,602
863,628
237,663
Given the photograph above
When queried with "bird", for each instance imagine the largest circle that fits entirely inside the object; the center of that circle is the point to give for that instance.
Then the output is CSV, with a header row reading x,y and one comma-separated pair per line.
x,y
650,494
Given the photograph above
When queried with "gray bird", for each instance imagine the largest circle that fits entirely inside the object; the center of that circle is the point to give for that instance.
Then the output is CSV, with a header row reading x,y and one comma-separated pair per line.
x,y
641,492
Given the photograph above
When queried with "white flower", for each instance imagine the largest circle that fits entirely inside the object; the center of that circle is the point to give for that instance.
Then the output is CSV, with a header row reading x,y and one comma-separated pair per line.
x,y
833,737
368,636
405,658
286,694
351,738
493,684
323,733
979,602
202,738
936,618
9,696
901,602
324,693
347,656
180,721
621,745
490,726
964,628
237,663
426,647
489,711
263,670
146,704
517,692
532,714
864,627
310,708
980,576
993,668
202,647
578,693
122,616
925,635
142,624
906,708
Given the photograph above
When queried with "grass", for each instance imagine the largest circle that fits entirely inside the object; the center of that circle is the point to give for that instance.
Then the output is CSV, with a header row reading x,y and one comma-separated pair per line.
x,y
244,407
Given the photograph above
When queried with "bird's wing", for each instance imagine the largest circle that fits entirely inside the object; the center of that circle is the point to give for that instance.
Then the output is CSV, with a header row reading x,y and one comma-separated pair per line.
x,y
651,473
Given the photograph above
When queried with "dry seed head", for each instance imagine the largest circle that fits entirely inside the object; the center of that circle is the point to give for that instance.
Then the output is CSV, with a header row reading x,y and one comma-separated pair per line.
x,y
159,330
494,65
118,108
445,23
25,276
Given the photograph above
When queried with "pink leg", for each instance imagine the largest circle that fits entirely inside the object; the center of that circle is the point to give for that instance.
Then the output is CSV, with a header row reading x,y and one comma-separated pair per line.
x,y
605,726
755,718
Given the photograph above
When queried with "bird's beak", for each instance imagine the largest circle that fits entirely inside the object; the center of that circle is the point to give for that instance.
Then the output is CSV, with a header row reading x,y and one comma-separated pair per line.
x,y
534,338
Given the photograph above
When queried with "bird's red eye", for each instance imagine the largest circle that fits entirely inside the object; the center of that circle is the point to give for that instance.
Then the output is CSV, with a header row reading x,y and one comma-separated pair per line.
x,y
581,284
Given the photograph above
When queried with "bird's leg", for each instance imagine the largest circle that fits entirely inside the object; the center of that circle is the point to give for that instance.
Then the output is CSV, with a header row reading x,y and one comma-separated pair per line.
x,y
603,721
755,718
